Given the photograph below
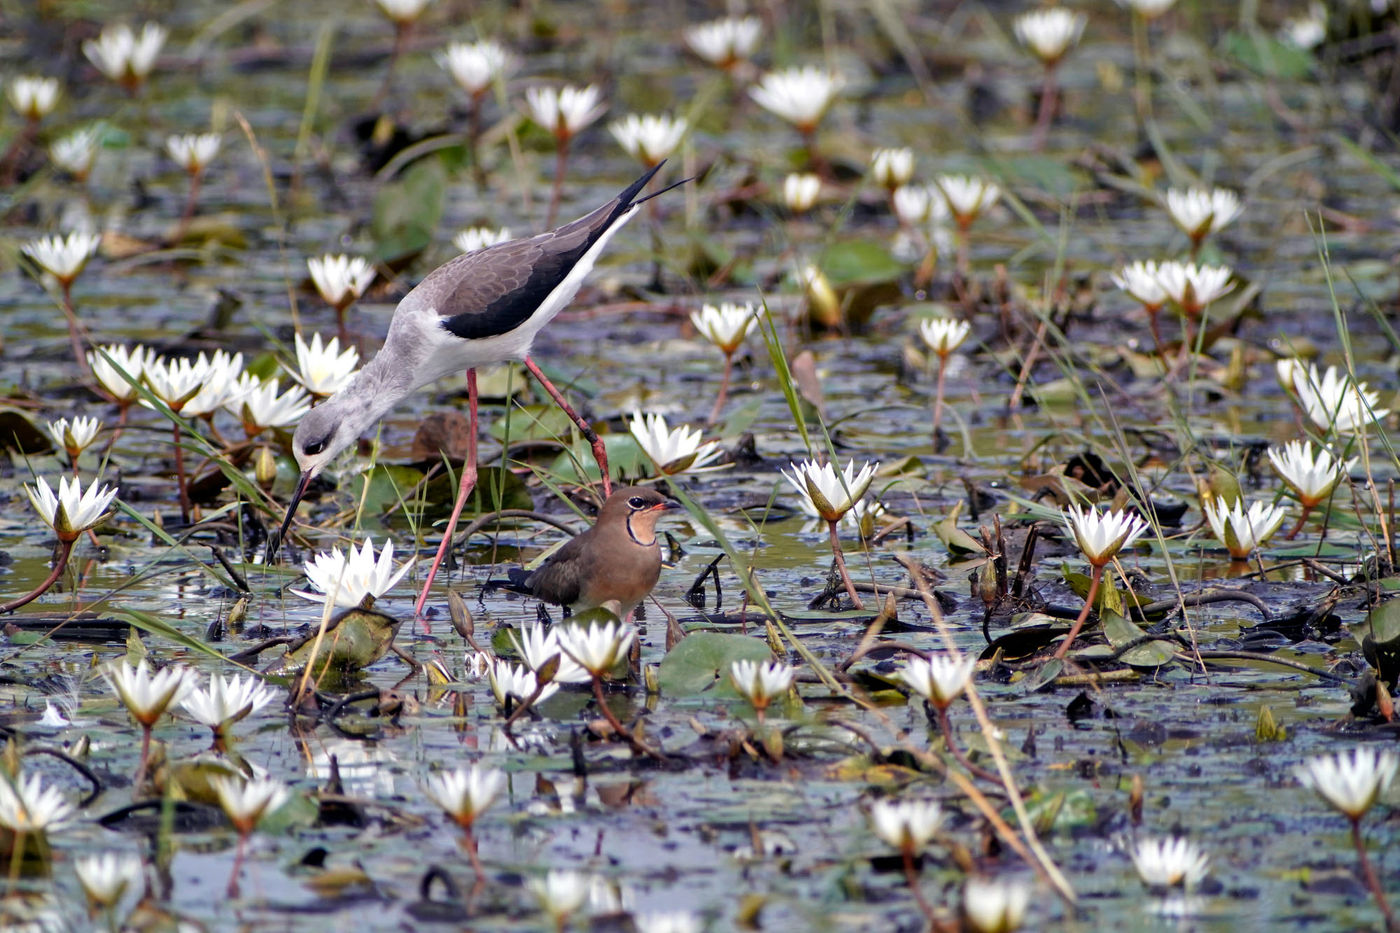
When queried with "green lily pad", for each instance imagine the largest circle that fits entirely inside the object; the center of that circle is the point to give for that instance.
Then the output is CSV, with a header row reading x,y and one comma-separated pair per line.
x,y
1120,631
703,657
407,210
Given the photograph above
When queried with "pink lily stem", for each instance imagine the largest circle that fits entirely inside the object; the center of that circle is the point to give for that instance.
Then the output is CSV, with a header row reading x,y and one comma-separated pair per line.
x,y
1368,872
938,397
1048,92
180,484
964,248
723,389
1083,613
946,725
474,140
188,214
1152,312
65,548
841,567
1302,519
472,853
561,164
401,30
612,719
75,331
911,875
145,761
238,855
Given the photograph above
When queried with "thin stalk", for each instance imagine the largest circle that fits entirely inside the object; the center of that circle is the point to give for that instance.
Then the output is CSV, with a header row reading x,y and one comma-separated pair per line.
x,y
75,330
1083,613
911,875
561,164
188,215
964,248
841,567
65,548
945,724
145,761
723,389
1302,519
938,397
180,474
1368,872
239,853
472,854
1048,92
615,724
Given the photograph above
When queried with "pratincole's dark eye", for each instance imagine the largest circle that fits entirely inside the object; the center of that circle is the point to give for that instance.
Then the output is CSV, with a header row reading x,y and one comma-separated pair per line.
x,y
636,502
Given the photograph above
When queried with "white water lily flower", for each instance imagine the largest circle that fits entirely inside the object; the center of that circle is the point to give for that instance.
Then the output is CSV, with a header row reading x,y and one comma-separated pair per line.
x,y
193,151
27,806
174,382
1349,782
565,111
402,12
477,66
76,152
649,138
62,257
1194,287
352,579
862,518
1050,33
340,278
1310,472
71,511
32,97
906,825
725,325
114,360
674,921
913,204
107,877
216,376
1333,401
967,196
1101,535
1139,279
474,238
245,803
800,96
1240,531
725,42
1202,211
994,905
76,436
465,793
518,681
674,450
597,648
941,678
943,335
538,643
761,683
830,495
123,56
1169,862
148,695
323,369
262,407
800,191
226,701
892,168
1306,32
560,893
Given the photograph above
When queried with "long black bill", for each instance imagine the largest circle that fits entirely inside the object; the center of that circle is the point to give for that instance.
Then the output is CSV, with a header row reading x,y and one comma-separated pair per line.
x,y
274,542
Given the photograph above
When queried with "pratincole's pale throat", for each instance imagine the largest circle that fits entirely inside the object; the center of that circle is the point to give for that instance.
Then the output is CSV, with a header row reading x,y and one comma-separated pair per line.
x,y
482,307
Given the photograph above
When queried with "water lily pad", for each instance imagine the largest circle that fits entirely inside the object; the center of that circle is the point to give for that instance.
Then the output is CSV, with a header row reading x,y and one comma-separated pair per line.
x,y
703,657
1119,631
407,210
